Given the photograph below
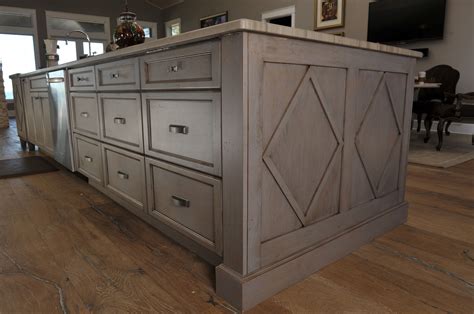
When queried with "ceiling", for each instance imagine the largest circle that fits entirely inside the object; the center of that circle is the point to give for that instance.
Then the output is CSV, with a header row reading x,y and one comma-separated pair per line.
x,y
163,4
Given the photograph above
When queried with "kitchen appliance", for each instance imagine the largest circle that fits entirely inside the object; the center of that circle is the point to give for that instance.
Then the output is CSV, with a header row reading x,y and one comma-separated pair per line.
x,y
60,118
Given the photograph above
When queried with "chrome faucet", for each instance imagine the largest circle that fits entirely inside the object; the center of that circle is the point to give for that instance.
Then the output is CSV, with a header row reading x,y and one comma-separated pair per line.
x,y
87,37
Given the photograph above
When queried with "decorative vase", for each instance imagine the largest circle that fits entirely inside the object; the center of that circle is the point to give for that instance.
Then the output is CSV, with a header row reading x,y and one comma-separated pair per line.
x,y
128,32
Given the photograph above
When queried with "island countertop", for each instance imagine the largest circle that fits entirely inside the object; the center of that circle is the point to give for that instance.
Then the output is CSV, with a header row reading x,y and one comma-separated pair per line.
x,y
241,25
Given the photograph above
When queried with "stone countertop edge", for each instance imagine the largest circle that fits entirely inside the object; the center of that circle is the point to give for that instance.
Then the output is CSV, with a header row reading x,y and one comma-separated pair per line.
x,y
222,29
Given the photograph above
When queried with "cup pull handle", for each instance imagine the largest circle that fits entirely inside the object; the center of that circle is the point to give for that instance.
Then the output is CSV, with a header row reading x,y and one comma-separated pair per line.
x,y
88,159
122,175
178,129
80,79
180,202
120,120
115,75
85,114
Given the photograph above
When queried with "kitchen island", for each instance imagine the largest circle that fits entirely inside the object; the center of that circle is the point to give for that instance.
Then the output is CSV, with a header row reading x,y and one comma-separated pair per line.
x,y
269,151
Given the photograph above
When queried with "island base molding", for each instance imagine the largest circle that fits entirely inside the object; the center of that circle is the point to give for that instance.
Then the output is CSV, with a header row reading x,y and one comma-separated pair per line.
x,y
246,292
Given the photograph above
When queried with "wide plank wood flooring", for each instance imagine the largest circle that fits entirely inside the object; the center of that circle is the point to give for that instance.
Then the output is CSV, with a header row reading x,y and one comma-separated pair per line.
x,y
66,248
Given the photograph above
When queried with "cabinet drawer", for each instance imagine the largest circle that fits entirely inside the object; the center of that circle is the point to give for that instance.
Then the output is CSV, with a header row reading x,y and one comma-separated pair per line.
x,y
187,201
185,128
88,158
124,175
82,79
120,75
193,66
121,120
85,114
38,83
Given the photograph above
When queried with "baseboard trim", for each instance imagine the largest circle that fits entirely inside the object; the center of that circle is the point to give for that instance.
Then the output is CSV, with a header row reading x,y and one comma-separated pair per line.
x,y
456,127
246,292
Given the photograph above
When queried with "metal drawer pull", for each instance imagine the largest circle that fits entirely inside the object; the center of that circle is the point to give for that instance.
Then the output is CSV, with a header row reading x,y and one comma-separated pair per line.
x,y
80,79
178,129
120,120
85,114
122,175
115,75
180,202
173,68
88,159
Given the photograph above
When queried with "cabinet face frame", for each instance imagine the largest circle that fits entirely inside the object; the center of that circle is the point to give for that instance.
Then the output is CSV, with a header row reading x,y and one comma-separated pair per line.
x,y
173,60
82,79
136,99
213,96
217,245
142,206
94,134
120,68
97,179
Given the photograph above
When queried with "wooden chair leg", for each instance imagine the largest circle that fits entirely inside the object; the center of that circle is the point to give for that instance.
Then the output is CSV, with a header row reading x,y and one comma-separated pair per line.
x,y
428,124
448,124
440,133
418,118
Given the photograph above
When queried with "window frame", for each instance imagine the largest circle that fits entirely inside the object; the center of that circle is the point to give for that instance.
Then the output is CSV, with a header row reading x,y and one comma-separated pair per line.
x,y
281,12
170,23
104,37
31,31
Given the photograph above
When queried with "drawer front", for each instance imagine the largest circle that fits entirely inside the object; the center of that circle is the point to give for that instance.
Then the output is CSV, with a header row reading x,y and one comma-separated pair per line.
x,y
124,175
185,128
121,116
88,158
120,75
38,83
187,201
85,114
193,66
82,79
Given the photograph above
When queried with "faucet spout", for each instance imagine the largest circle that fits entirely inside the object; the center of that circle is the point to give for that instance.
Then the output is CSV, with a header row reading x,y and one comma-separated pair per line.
x,y
85,34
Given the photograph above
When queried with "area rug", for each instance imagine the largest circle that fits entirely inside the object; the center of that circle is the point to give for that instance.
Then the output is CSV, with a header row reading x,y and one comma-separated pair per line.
x,y
18,167
457,149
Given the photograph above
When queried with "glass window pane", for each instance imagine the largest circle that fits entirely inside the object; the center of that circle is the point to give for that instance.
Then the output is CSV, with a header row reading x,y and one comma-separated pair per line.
x,y
17,54
96,48
71,25
147,31
67,53
15,20
175,29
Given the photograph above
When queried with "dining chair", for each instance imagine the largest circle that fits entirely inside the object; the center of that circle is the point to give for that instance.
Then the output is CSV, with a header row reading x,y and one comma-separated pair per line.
x,y
438,102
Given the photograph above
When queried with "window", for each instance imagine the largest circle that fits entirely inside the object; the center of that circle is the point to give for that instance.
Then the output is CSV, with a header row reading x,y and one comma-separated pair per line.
x,y
173,27
76,46
18,48
284,16
150,28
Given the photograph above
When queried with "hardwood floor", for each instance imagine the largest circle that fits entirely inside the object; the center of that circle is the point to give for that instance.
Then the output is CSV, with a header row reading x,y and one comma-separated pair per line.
x,y
64,247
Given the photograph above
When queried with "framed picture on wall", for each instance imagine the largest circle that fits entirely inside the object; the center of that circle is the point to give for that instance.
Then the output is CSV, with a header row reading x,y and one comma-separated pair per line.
x,y
215,19
329,14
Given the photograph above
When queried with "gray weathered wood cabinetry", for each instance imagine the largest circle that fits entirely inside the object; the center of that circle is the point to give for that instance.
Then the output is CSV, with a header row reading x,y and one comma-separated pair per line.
x,y
269,151
37,111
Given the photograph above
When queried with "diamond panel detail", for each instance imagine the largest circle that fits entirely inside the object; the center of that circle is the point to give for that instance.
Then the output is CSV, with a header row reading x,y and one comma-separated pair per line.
x,y
306,140
378,135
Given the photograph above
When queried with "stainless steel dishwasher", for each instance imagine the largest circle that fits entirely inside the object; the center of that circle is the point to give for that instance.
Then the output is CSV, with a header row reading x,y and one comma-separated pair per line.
x,y
61,126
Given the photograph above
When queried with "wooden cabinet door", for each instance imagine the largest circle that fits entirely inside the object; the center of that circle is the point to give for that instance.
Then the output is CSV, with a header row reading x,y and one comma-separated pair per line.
x,y
19,107
38,118
29,116
48,143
